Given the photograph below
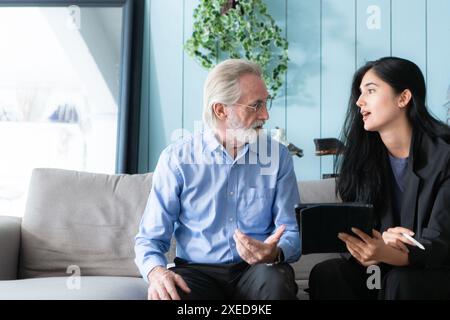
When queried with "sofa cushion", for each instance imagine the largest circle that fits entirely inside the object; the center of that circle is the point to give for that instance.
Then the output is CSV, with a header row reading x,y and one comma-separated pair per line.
x,y
318,191
302,294
83,219
303,267
65,288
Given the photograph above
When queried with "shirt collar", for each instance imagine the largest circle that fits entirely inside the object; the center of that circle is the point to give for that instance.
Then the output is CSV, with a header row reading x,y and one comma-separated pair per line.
x,y
210,141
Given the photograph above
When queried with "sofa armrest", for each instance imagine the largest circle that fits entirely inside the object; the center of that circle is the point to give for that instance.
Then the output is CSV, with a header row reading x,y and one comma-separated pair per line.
x,y
9,247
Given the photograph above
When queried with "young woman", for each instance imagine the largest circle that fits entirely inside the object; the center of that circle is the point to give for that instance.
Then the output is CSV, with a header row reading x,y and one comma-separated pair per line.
x,y
397,157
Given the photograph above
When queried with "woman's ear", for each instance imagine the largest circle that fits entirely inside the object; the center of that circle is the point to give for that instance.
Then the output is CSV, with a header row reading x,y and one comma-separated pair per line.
x,y
219,111
404,98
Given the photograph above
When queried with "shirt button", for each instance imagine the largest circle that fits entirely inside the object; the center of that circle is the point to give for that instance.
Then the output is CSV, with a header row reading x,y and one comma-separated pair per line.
x,y
231,219
231,193
232,244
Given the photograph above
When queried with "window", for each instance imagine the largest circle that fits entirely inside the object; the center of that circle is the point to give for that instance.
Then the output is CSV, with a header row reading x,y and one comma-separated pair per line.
x,y
61,87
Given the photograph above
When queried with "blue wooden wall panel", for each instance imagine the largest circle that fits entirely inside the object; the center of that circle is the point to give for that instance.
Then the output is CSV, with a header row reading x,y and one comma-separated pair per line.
x,y
372,44
277,9
166,52
408,31
328,39
194,76
303,84
338,41
438,48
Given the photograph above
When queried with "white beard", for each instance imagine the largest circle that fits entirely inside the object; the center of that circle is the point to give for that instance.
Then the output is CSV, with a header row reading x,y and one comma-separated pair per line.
x,y
239,134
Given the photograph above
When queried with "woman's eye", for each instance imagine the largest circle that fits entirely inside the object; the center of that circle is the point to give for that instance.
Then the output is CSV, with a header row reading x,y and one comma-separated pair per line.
x,y
371,90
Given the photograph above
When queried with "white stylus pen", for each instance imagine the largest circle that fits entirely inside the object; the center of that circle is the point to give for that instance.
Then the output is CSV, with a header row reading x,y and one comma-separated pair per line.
x,y
417,243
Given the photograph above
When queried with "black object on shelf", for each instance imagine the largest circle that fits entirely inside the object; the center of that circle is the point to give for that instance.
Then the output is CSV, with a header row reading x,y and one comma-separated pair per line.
x,y
329,146
329,175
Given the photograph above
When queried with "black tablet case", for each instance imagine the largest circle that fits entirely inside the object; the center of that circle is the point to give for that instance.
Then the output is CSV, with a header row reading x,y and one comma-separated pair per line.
x,y
319,224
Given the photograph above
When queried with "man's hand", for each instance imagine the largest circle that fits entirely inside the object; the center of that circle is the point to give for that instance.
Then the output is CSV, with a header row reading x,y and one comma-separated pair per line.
x,y
394,238
253,251
162,284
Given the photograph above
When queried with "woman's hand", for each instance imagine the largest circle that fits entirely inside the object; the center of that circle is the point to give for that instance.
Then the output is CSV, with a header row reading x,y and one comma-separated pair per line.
x,y
373,250
365,252
394,238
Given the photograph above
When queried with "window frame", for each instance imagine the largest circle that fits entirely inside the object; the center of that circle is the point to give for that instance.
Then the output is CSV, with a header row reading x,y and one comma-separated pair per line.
x,y
130,75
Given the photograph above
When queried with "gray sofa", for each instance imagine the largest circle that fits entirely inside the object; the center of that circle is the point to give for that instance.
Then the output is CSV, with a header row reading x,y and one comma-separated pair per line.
x,y
76,238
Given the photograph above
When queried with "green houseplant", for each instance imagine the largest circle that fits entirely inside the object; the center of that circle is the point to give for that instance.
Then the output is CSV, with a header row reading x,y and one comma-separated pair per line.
x,y
239,29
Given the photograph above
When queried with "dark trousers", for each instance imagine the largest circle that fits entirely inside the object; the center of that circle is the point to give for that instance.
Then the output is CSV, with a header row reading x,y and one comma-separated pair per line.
x,y
341,279
236,281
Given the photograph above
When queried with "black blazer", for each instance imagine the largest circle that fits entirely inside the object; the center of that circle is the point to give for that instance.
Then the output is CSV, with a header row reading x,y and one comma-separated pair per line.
x,y
426,201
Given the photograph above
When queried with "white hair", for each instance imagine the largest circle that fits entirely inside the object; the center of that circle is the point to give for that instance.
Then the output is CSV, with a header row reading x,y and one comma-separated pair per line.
x,y
222,86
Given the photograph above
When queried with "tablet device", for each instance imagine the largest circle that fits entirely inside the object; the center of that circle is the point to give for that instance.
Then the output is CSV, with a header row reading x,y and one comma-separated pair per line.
x,y
320,223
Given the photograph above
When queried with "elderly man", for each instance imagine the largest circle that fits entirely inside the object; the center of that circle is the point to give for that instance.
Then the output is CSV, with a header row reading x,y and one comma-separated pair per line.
x,y
229,204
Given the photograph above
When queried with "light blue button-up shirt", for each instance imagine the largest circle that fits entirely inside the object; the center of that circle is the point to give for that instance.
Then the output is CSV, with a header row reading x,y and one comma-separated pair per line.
x,y
201,195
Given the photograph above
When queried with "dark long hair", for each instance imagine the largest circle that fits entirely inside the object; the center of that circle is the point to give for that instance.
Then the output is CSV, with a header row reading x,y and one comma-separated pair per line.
x,y
363,164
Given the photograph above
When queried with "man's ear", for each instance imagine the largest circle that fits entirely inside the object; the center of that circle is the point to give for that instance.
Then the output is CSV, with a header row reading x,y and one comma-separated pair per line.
x,y
220,111
404,98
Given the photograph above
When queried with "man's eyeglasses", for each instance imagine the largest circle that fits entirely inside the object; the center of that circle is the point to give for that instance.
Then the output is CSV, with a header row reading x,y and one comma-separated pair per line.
x,y
258,105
